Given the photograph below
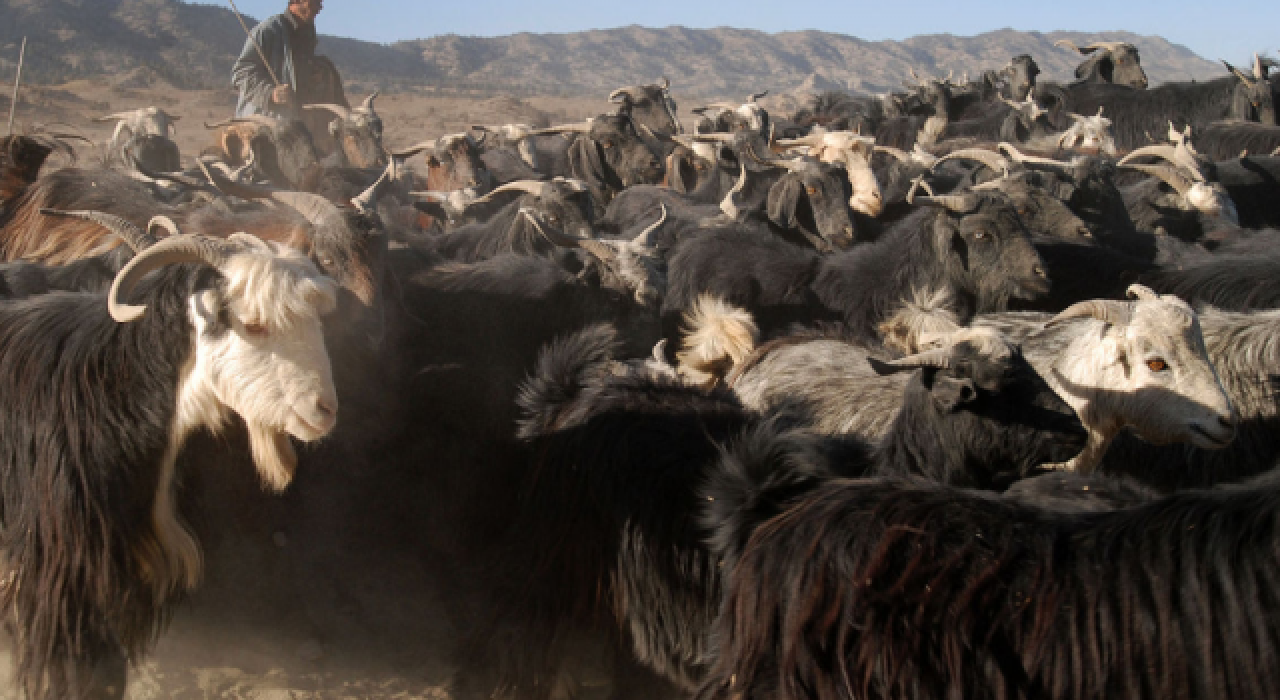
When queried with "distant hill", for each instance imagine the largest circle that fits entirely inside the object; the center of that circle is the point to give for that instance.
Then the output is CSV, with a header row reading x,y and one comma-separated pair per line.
x,y
193,46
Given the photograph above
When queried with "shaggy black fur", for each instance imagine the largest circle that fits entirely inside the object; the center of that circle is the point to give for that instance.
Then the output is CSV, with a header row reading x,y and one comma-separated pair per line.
x,y
890,589
79,457
984,257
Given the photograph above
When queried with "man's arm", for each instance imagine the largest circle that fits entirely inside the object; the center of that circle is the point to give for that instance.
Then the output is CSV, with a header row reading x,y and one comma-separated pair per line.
x,y
250,75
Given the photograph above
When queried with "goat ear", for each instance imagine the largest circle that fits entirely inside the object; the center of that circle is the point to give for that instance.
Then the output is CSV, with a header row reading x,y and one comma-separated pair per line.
x,y
784,199
950,393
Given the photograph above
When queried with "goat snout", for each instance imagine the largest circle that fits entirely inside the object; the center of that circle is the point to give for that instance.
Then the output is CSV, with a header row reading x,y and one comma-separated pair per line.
x,y
1214,435
315,417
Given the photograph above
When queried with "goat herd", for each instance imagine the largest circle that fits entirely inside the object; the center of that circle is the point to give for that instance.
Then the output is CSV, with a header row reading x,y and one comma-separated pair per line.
x,y
966,391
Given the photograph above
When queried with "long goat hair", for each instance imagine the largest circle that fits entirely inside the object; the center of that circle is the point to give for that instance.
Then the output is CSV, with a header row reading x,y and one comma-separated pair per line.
x,y
892,589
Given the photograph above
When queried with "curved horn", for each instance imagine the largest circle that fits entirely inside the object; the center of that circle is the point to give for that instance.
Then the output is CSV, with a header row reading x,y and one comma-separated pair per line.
x,y
729,205
936,359
1106,45
365,202
534,187
367,105
558,238
318,211
613,96
995,161
579,128
958,203
177,249
117,116
644,240
1259,70
259,119
1239,74
1117,313
1067,43
918,183
127,232
666,83
810,141
414,150
164,222
1141,293
338,110
897,153
751,99
1035,162
1165,174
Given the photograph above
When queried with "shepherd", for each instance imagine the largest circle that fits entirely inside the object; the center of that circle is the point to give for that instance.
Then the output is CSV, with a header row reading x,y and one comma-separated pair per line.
x,y
282,72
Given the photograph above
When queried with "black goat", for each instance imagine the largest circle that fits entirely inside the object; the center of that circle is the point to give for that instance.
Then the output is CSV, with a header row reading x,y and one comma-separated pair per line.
x,y
973,245
885,589
610,510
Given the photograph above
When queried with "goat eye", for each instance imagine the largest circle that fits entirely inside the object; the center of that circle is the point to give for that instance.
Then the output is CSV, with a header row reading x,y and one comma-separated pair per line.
x,y
608,144
1157,365
981,235
811,190
327,262
256,330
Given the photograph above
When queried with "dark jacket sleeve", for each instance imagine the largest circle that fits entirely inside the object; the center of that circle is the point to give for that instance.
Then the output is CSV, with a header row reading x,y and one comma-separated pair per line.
x,y
250,76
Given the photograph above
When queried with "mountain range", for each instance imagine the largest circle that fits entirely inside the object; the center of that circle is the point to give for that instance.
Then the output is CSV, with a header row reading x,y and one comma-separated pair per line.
x,y
144,42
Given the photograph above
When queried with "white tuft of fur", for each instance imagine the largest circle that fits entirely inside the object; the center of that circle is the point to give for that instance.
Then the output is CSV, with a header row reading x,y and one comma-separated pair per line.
x,y
920,322
717,336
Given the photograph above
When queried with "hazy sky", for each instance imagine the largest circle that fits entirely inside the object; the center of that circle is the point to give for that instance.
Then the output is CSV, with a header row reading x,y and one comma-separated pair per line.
x,y
1230,30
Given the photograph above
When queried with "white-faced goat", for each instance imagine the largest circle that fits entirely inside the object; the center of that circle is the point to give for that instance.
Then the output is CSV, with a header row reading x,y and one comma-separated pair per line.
x,y
1140,364
102,395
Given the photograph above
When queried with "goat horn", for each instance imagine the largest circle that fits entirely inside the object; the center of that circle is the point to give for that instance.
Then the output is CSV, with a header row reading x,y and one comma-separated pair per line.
x,y
1066,43
117,116
338,110
558,238
365,202
1035,162
579,128
1259,70
318,211
414,150
958,203
534,187
751,99
666,83
1117,313
729,205
572,183
367,105
164,222
1169,176
1141,293
127,232
918,183
1239,74
995,161
1106,45
644,240
810,141
613,96
259,119
172,250
897,153
936,359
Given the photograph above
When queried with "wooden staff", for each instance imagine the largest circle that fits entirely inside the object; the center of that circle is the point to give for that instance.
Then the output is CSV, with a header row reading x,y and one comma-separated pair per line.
x,y
253,41
13,104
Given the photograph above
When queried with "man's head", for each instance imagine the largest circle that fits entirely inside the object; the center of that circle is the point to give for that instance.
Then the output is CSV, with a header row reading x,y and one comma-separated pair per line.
x,y
306,10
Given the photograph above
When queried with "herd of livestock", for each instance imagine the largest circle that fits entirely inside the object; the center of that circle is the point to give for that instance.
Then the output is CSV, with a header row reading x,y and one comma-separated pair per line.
x,y
965,391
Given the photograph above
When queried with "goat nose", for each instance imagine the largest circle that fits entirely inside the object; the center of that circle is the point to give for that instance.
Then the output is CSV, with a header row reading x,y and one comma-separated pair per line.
x,y
328,408
1040,272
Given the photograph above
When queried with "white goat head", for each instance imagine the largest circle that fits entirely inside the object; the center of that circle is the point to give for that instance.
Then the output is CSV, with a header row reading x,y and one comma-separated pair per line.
x,y
854,152
1090,133
1148,369
259,349
148,121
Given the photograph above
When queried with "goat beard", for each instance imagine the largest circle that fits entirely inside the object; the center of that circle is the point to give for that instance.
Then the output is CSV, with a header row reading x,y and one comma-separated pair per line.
x,y
274,456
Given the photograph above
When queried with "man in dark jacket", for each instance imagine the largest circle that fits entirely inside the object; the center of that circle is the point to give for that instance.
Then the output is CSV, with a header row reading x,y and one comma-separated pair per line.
x,y
288,41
